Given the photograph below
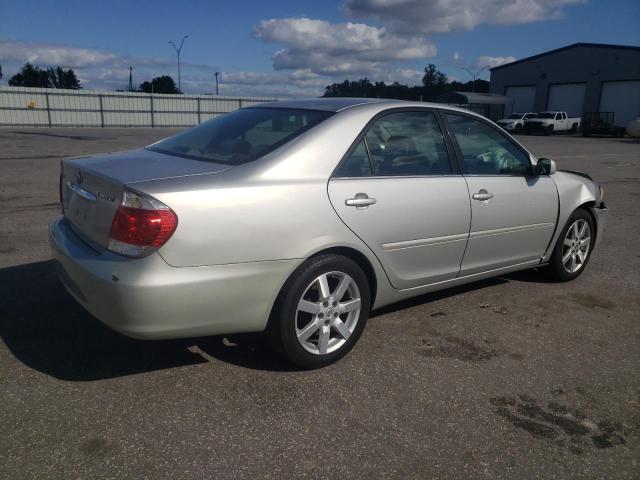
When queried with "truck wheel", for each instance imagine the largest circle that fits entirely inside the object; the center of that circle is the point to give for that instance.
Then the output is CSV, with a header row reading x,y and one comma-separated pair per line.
x,y
574,128
549,130
518,128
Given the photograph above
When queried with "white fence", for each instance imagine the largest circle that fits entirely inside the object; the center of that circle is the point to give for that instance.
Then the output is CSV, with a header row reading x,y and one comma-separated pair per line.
x,y
46,107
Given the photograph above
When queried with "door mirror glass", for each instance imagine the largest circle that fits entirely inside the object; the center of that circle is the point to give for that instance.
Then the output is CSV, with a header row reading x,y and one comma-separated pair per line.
x,y
545,166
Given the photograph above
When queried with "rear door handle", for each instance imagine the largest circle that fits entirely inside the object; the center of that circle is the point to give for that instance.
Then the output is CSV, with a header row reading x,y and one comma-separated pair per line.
x,y
482,195
361,200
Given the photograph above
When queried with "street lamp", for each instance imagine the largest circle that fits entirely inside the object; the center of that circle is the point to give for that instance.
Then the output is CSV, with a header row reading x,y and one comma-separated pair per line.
x,y
178,50
216,74
474,74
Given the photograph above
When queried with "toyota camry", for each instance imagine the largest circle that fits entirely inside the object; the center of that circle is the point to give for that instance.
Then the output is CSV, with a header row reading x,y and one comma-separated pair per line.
x,y
297,218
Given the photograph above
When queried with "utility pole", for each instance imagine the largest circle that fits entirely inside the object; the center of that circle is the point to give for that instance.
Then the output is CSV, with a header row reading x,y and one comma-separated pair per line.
x,y
130,78
217,73
178,50
474,74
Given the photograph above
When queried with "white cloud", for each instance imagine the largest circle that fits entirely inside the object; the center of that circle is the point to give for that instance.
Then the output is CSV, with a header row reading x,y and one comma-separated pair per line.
x,y
456,56
338,48
438,16
39,53
490,62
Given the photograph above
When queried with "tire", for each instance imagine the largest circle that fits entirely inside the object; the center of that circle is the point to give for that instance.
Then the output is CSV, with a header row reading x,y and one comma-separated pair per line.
x,y
518,128
549,130
563,271
574,128
313,330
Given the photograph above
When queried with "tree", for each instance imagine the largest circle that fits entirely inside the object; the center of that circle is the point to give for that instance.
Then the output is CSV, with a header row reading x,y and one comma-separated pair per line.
x,y
30,76
61,78
34,76
434,82
163,84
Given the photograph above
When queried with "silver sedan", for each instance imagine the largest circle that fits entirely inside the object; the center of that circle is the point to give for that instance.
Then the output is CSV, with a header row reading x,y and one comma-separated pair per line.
x,y
298,218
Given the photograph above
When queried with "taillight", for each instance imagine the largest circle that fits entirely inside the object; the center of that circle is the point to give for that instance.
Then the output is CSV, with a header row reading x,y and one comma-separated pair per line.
x,y
141,225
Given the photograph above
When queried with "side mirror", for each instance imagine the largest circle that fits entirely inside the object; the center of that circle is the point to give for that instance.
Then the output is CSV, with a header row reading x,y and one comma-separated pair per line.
x,y
545,166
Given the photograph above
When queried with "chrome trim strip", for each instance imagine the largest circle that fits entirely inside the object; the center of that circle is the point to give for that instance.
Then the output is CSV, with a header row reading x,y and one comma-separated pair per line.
x,y
82,192
422,242
500,231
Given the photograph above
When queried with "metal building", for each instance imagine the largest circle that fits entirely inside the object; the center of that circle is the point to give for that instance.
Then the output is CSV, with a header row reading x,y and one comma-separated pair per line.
x,y
578,78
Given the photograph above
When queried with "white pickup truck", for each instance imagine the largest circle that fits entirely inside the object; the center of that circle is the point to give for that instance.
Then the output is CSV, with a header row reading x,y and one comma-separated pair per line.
x,y
551,122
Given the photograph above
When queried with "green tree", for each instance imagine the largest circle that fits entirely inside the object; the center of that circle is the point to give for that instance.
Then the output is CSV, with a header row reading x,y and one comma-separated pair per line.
x,y
61,78
163,84
30,76
34,76
434,82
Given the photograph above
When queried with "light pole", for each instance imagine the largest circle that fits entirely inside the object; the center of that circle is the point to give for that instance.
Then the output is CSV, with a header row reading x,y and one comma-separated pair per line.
x,y
474,74
217,73
178,50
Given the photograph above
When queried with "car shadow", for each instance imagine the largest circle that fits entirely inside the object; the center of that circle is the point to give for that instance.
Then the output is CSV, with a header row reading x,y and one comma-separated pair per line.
x,y
45,329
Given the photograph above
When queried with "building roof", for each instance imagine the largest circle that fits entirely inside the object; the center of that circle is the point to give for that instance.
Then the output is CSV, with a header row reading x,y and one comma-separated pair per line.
x,y
568,47
469,98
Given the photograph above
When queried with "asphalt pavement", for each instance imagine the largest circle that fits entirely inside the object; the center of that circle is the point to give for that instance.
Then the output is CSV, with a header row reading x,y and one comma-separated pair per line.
x,y
508,378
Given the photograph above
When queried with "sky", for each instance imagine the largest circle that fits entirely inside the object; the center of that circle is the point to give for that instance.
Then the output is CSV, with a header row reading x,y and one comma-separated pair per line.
x,y
294,48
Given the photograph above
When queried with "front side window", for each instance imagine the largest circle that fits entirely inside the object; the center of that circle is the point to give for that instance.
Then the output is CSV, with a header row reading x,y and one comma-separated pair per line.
x,y
241,136
485,150
407,143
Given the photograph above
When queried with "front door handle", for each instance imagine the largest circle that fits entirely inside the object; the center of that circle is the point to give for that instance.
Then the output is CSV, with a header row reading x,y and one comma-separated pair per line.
x,y
482,195
360,201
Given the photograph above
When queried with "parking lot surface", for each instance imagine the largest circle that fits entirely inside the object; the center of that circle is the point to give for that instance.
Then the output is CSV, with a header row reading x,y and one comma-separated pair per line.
x,y
507,378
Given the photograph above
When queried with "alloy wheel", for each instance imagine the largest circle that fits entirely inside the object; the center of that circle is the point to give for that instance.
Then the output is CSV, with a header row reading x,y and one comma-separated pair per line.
x,y
327,313
575,249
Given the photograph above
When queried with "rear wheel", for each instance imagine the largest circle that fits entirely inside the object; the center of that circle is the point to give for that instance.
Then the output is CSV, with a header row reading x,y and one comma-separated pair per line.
x,y
321,311
573,248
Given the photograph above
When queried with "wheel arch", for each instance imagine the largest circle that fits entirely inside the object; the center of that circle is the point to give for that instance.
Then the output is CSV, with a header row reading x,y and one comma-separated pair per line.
x,y
362,261
589,206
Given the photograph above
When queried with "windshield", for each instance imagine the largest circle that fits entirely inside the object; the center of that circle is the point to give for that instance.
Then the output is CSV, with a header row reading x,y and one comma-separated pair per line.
x,y
240,136
515,116
546,115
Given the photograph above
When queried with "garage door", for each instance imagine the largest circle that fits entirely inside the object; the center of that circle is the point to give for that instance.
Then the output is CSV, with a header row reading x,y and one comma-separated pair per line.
x,y
622,98
567,98
523,98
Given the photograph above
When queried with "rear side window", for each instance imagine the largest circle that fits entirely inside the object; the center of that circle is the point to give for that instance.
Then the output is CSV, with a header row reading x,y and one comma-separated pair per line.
x,y
241,136
357,163
485,151
407,143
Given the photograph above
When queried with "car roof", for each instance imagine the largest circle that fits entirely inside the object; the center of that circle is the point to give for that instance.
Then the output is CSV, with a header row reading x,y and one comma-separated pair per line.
x,y
326,104
374,105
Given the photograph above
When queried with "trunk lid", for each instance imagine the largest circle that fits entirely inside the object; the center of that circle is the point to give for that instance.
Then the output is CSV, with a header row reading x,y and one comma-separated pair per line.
x,y
92,186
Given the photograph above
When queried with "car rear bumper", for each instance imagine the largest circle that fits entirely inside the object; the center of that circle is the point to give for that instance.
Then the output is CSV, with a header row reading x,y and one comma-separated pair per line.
x,y
147,298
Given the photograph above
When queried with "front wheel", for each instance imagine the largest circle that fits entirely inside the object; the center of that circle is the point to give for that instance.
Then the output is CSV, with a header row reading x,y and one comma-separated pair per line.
x,y
549,130
573,248
321,311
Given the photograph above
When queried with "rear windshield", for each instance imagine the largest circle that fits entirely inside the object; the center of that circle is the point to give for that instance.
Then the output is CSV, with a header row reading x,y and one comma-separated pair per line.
x,y
240,136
